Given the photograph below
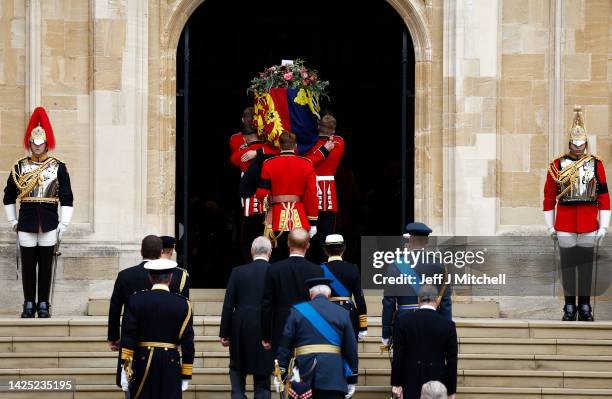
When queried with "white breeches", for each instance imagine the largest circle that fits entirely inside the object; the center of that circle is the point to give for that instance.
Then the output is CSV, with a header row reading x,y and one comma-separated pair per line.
x,y
29,240
569,240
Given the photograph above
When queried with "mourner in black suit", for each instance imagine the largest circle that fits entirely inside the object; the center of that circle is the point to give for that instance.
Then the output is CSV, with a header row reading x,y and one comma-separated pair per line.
x,y
285,286
241,323
134,279
346,289
156,323
424,348
320,333
399,299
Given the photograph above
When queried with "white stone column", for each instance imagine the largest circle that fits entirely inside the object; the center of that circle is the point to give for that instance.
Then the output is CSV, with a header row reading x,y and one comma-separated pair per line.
x,y
33,55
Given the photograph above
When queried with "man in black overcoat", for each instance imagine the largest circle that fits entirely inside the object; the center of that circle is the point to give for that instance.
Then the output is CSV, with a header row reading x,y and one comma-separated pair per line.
x,y
285,286
241,324
424,349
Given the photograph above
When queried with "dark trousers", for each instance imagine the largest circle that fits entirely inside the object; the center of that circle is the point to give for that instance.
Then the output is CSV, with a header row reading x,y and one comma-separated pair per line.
x,y
320,394
252,227
261,385
281,251
30,258
576,273
326,225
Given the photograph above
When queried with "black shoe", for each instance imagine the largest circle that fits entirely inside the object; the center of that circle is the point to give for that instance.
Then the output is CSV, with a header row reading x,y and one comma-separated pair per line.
x,y
584,313
43,310
569,312
28,310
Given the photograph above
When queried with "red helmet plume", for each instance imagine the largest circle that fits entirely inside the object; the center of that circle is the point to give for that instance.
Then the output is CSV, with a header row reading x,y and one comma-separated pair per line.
x,y
40,119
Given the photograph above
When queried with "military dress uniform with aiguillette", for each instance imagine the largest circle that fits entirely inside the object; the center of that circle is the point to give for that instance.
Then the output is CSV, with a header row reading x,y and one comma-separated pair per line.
x,y
155,324
321,336
346,290
289,180
406,297
131,280
39,183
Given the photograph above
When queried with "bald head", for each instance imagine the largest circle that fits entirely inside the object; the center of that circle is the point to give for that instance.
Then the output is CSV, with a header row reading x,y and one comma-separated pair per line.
x,y
298,241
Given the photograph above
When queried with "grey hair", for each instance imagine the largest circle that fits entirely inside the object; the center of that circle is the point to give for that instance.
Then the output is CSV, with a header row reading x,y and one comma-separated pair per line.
x,y
434,390
261,246
428,293
320,289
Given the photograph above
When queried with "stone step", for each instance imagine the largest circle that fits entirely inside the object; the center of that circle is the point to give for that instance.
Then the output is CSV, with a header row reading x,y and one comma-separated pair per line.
x,y
367,377
209,326
363,392
217,359
210,304
521,346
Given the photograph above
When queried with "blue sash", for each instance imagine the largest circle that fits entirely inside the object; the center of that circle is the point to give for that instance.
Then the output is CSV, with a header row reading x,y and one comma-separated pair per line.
x,y
409,271
324,328
336,285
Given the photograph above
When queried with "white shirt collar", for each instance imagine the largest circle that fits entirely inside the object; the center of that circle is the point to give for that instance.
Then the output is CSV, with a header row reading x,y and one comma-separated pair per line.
x,y
427,307
333,258
160,287
298,255
260,258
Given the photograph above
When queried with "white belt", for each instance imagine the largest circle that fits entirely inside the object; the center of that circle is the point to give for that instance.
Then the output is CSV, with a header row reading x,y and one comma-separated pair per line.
x,y
325,178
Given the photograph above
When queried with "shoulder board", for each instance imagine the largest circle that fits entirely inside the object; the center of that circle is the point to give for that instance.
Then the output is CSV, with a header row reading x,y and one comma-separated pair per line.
x,y
183,270
181,296
272,157
304,158
140,292
19,160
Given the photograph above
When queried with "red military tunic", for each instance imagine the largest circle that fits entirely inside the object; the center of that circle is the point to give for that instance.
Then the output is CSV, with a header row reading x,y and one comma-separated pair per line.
x,y
581,217
236,141
252,205
289,174
326,163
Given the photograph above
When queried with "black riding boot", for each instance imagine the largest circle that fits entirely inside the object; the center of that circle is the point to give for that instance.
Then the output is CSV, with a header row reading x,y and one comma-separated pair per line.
x,y
45,264
28,280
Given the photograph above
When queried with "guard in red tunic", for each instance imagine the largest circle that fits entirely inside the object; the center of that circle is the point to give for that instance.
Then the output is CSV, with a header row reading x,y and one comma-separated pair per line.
x,y
253,208
326,156
576,184
237,140
289,180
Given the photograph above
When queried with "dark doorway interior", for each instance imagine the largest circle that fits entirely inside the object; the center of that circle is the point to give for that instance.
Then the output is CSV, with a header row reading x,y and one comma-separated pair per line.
x,y
362,48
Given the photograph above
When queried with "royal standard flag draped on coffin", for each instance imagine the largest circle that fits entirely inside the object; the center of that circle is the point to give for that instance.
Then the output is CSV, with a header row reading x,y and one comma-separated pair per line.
x,y
287,98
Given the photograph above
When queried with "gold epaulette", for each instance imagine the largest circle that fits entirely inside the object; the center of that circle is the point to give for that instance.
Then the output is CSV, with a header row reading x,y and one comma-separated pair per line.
x,y
58,160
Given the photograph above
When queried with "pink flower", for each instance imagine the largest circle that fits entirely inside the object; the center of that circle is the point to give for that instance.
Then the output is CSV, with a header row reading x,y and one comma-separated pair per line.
x,y
288,76
305,75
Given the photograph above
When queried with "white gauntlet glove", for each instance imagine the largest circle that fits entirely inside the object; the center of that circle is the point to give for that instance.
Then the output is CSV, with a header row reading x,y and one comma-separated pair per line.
x,y
125,385
313,231
351,391
549,218
65,220
362,335
185,385
604,223
278,384
11,215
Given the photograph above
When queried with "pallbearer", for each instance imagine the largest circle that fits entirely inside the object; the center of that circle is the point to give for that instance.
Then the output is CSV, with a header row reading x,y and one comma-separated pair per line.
x,y
40,182
576,185
155,324
345,283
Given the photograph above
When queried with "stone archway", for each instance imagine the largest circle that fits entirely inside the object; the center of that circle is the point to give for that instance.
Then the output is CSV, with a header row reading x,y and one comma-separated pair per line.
x,y
162,124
